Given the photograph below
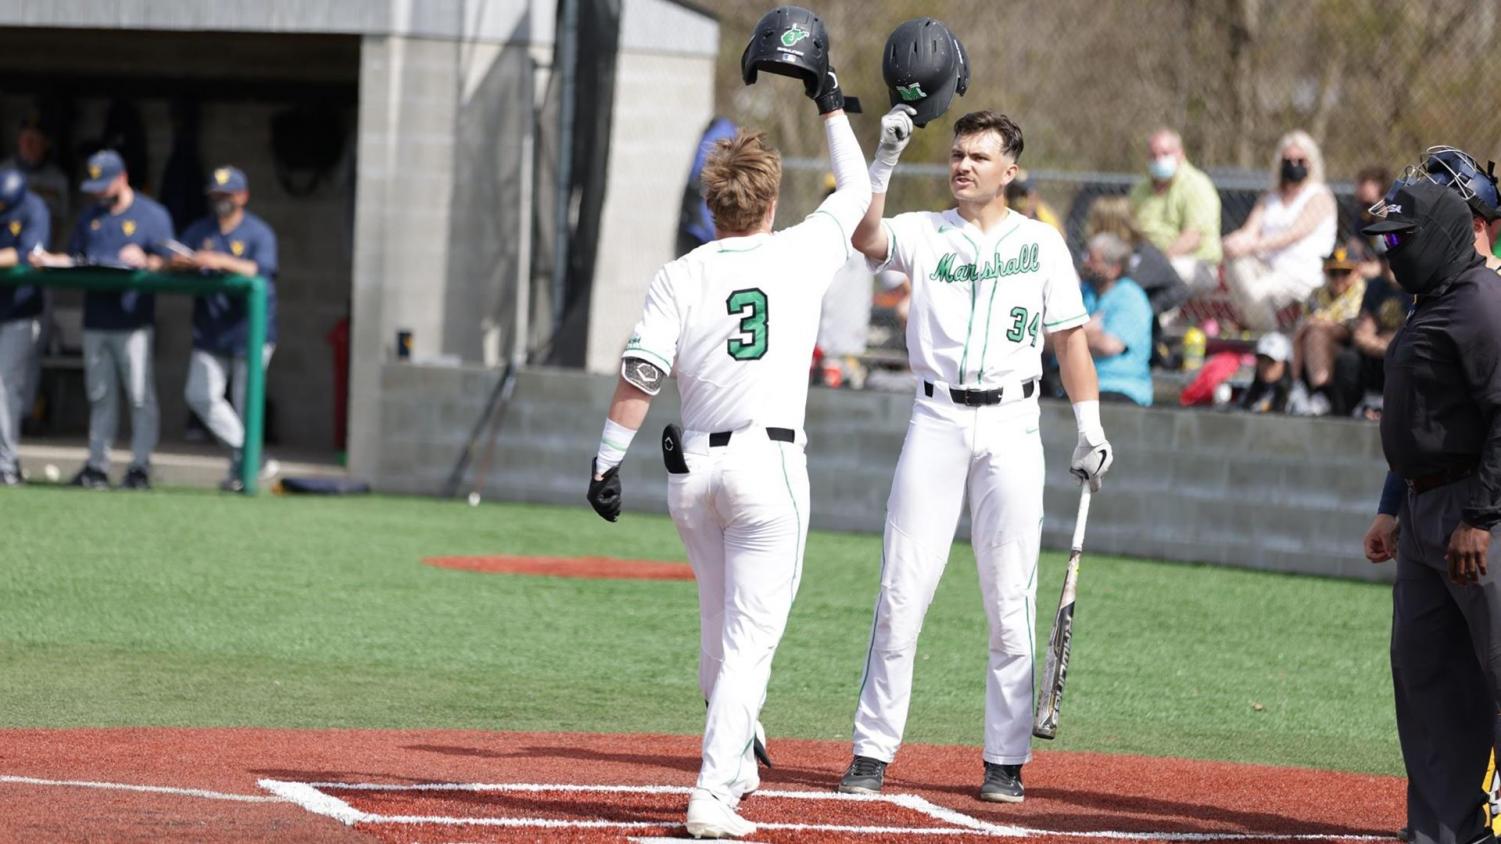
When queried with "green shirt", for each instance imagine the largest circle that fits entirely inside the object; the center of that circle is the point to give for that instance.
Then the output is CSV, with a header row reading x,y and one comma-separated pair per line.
x,y
1190,202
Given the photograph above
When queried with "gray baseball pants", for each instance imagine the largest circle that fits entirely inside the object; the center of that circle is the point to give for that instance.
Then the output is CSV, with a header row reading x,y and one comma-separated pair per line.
x,y
17,349
116,362
207,375
1446,670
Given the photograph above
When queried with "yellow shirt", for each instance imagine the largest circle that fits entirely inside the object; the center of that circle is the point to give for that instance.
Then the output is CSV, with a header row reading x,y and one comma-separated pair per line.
x,y
1342,308
1190,202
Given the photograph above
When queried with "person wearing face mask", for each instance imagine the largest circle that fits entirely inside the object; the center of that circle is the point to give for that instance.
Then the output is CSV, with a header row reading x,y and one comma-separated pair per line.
x,y
229,240
1441,434
1276,258
1178,209
122,229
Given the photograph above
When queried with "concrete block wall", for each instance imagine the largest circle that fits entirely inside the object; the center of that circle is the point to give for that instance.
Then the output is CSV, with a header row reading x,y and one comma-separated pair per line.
x,y
1273,493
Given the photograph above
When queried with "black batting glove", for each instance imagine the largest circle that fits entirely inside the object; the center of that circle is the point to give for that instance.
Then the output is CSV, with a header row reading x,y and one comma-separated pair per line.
x,y
604,494
828,97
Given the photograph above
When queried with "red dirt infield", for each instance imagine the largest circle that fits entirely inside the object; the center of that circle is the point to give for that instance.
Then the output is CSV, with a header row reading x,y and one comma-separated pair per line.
x,y
445,786
593,568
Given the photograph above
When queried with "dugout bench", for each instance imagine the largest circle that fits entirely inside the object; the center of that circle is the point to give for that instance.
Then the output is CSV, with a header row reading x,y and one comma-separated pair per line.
x,y
252,288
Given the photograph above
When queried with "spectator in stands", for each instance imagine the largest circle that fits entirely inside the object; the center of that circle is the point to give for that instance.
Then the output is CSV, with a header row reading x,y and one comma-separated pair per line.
x,y
1273,383
1325,330
1148,267
1371,184
228,240
1178,209
1119,330
1359,370
120,228
24,227
1274,260
1022,197
44,177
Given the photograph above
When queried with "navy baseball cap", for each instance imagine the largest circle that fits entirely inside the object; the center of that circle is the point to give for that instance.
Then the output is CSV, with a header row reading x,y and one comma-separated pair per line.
x,y
227,180
102,169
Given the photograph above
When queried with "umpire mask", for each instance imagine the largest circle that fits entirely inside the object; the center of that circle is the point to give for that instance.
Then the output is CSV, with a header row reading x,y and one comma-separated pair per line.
x,y
1439,247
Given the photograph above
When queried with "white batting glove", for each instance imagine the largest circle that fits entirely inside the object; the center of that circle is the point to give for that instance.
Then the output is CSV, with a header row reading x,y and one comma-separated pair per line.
x,y
1093,455
896,131
1092,458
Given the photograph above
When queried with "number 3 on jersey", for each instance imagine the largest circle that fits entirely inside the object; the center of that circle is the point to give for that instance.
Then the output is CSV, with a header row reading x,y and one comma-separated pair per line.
x,y
750,306
1020,328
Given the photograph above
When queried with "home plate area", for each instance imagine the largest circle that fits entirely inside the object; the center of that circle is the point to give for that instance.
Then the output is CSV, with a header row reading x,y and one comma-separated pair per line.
x,y
504,812
527,811
446,787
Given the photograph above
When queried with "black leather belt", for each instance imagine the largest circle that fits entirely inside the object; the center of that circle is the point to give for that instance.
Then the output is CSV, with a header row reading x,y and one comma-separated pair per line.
x,y
781,435
1422,484
979,398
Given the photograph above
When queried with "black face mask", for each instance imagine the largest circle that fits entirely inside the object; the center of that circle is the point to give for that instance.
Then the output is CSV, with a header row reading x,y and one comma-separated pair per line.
x,y
1293,172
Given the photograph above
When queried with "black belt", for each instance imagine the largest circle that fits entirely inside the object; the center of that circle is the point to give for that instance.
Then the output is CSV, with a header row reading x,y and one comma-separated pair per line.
x,y
1422,484
781,435
979,398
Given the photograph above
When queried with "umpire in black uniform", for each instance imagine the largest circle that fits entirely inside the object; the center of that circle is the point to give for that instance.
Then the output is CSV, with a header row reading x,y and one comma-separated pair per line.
x,y
1441,432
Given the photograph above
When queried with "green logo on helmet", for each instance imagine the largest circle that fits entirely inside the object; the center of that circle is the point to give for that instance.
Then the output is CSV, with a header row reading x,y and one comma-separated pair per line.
x,y
910,93
793,35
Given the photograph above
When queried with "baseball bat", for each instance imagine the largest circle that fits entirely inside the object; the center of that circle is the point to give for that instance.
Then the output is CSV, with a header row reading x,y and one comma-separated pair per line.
x,y
1060,643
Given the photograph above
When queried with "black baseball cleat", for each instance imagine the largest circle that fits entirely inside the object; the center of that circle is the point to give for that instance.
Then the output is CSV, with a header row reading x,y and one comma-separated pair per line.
x,y
90,478
864,776
10,478
1003,784
231,485
758,746
136,478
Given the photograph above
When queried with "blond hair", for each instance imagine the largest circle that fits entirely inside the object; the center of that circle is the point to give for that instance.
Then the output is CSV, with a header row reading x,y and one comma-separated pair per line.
x,y
741,178
1112,214
1315,157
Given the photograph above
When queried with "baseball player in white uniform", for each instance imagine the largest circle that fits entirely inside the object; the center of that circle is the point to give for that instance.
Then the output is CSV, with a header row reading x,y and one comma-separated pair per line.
x,y
988,287
736,320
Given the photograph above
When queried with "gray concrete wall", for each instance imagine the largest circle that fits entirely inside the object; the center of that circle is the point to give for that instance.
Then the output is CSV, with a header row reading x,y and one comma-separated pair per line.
x,y
664,102
1273,493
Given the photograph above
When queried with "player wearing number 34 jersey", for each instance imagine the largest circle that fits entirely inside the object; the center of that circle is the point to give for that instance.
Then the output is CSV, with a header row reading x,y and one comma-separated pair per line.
x,y
735,320
988,286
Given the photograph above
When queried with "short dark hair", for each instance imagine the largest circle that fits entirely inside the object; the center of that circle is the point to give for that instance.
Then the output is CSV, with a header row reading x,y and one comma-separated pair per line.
x,y
988,121
1374,173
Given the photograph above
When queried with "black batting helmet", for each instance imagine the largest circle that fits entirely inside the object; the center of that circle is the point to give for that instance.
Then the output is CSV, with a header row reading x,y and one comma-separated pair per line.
x,y
12,188
790,41
924,65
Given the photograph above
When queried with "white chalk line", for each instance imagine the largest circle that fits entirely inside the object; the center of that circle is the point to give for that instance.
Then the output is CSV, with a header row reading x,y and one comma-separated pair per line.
x,y
148,789
310,797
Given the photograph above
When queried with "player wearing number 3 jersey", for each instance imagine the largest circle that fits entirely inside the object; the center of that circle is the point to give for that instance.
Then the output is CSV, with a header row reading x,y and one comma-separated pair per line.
x,y
988,286
735,320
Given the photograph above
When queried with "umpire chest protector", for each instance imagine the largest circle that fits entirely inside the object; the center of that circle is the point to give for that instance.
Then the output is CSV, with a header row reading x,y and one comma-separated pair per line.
x,y
924,65
790,41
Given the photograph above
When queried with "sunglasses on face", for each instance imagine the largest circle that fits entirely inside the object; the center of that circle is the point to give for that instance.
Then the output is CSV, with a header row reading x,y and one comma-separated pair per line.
x,y
1296,161
1393,240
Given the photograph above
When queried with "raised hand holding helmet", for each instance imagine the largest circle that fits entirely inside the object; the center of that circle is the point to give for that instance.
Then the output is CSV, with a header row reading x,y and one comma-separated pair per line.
x,y
924,66
792,41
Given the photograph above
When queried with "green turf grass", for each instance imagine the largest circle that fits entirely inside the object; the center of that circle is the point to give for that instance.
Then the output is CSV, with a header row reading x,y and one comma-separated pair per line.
x,y
183,608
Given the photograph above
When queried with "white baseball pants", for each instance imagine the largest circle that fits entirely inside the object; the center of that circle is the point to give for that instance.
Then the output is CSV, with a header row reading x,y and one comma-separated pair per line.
x,y
17,350
742,511
112,360
995,454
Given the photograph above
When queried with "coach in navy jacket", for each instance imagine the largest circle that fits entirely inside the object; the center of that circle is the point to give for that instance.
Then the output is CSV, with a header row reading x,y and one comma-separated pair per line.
x,y
229,240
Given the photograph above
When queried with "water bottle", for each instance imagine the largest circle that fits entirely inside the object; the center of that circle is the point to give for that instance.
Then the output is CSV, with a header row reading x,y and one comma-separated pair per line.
x,y
1193,349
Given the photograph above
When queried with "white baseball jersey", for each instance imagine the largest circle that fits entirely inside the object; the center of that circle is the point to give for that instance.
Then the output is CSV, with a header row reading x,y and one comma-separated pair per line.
x,y
981,302
736,320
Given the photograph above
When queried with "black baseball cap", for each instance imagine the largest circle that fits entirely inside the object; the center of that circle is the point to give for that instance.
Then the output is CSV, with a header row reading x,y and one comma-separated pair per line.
x,y
1406,206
